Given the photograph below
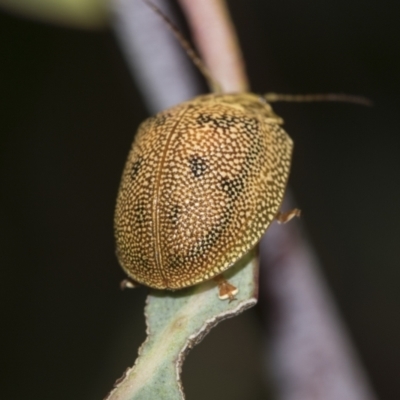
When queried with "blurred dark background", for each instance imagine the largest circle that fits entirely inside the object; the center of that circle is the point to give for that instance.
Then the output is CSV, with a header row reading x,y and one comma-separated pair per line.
x,y
68,113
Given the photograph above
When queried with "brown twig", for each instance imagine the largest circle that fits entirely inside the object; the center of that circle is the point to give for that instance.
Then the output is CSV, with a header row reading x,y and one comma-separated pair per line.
x,y
215,36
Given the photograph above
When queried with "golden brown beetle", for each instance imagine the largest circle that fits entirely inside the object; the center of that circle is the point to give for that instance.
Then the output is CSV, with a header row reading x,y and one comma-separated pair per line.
x,y
202,183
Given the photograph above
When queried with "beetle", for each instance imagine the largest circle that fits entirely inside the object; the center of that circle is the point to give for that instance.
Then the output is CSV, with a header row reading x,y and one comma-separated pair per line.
x,y
201,185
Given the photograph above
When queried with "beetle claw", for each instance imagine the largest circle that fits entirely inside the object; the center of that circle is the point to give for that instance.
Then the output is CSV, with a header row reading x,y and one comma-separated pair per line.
x,y
226,290
282,218
128,284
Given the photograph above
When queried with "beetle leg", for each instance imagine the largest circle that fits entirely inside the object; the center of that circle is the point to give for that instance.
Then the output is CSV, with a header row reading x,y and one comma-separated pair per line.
x,y
282,218
128,283
226,290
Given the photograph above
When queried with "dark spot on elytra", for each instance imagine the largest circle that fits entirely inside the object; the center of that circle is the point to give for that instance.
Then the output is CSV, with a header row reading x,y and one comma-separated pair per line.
x,y
144,262
139,213
213,236
174,213
203,119
136,167
198,166
250,126
224,121
159,119
232,187
175,262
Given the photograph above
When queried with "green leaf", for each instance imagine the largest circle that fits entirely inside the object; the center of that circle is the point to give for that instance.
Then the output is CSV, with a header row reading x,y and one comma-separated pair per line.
x,y
77,13
176,322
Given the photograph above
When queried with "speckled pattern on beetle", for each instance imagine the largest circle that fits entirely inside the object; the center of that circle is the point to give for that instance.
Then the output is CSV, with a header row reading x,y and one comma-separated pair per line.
x,y
201,185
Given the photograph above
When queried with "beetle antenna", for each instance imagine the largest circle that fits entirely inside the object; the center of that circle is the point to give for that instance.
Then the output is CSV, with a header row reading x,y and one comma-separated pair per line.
x,y
214,86
345,98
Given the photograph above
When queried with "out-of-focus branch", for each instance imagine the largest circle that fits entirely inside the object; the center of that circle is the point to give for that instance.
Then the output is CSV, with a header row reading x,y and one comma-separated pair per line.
x,y
160,67
309,351
215,36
